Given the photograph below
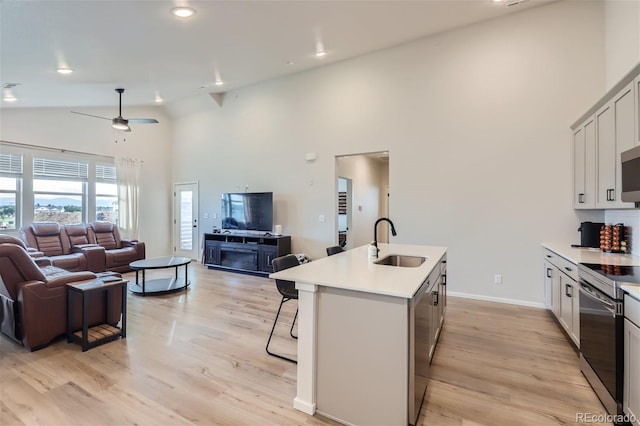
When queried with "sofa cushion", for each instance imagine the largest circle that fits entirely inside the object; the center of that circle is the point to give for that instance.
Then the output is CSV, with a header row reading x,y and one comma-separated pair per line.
x,y
77,234
106,235
47,235
70,262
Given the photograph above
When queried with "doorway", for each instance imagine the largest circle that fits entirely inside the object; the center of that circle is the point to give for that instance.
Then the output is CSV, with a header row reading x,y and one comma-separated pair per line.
x,y
362,194
185,220
345,197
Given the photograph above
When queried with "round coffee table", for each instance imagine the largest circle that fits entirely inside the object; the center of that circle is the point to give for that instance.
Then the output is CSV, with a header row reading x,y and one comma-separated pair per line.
x,y
159,285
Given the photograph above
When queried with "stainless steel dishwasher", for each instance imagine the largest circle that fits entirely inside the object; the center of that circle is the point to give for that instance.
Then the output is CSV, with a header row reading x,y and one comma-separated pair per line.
x,y
420,330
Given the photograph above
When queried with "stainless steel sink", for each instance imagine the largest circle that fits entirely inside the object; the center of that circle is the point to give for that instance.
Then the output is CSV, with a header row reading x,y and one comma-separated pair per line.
x,y
401,260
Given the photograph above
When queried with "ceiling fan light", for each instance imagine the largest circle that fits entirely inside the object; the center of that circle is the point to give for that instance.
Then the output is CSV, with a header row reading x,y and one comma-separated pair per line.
x,y
183,12
120,123
64,70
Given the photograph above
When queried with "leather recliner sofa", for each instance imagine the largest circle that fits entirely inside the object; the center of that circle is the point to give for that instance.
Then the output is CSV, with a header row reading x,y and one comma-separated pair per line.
x,y
95,247
119,253
52,240
34,299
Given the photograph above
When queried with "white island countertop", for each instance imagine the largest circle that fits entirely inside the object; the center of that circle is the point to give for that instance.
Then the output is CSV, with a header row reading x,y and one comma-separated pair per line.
x,y
353,270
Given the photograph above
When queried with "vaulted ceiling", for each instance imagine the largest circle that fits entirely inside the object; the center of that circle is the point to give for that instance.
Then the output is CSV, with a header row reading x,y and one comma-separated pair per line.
x,y
141,46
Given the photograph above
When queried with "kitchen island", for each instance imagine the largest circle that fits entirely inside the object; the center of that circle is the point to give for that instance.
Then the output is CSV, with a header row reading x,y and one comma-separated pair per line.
x,y
361,341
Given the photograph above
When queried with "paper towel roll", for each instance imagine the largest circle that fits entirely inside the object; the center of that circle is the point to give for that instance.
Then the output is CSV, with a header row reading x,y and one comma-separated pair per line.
x,y
278,230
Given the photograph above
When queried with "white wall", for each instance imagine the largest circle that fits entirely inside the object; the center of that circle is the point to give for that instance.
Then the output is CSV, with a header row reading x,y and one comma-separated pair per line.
x,y
622,38
477,124
57,128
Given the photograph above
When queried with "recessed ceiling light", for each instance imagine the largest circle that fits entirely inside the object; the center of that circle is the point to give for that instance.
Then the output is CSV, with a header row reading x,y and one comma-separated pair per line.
x,y
9,97
289,63
158,99
321,53
64,70
183,12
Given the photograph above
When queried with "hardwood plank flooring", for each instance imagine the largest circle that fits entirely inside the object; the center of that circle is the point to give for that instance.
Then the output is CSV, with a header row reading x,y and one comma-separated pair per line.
x,y
198,358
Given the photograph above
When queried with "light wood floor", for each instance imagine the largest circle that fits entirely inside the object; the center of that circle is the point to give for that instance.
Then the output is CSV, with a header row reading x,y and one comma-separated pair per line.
x,y
198,358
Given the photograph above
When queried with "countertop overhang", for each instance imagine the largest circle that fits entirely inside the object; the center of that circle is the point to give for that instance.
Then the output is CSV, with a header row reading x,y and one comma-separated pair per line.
x,y
353,270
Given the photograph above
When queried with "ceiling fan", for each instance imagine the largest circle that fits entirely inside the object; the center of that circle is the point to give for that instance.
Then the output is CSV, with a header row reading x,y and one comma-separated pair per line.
x,y
118,122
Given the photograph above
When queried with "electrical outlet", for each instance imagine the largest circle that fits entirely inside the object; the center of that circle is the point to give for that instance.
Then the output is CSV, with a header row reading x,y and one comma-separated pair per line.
x,y
497,279
205,216
321,218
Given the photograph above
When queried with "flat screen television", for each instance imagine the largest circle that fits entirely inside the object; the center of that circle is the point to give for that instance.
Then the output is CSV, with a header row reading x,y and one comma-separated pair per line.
x,y
247,211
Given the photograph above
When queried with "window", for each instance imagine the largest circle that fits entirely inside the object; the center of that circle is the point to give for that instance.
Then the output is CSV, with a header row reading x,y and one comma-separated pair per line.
x,y
106,193
10,183
59,190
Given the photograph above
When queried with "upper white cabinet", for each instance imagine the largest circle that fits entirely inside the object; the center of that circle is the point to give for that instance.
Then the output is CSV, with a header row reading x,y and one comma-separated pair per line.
x,y
584,165
609,128
636,84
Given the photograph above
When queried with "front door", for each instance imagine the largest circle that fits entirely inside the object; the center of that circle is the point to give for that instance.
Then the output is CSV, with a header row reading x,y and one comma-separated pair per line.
x,y
185,220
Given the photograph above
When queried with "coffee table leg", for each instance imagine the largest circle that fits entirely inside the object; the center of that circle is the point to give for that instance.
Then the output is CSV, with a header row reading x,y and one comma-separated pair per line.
x,y
143,281
124,310
186,273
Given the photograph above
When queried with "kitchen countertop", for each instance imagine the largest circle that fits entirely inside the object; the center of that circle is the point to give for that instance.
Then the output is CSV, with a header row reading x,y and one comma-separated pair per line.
x,y
352,270
583,255
632,290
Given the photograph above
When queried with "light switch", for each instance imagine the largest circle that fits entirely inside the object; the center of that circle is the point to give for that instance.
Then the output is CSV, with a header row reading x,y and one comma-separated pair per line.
x,y
205,216
321,218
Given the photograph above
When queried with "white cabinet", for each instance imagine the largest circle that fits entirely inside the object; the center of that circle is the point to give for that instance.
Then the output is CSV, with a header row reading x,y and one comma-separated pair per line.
x,y
609,128
570,308
636,84
615,133
561,293
552,288
584,165
631,386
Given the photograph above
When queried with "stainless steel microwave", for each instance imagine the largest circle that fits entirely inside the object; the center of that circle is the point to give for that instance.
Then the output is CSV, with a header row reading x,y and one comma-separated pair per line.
x,y
631,175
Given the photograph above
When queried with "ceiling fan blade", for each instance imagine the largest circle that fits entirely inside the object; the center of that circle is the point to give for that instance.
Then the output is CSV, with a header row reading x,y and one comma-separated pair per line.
x,y
89,115
143,120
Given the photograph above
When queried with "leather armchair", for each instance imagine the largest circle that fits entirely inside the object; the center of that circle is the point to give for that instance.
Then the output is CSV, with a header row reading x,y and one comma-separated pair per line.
x,y
35,298
119,252
50,239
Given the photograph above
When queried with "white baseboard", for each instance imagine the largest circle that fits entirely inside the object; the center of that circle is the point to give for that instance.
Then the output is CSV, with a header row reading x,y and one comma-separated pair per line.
x,y
497,299
304,406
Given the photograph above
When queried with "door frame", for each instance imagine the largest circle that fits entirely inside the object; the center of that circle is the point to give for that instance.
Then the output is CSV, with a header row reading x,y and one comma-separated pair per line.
x,y
195,251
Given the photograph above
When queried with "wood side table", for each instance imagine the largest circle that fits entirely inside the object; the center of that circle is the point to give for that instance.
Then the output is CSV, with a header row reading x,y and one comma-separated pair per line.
x,y
89,337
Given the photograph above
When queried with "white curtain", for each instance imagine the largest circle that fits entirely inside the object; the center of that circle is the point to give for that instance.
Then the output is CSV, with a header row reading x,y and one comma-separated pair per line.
x,y
128,174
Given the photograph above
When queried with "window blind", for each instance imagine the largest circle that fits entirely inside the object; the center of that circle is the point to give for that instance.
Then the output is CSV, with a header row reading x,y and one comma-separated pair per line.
x,y
10,165
105,173
57,169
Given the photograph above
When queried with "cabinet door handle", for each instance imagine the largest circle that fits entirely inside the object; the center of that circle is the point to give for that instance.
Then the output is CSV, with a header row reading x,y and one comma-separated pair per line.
x,y
568,269
566,290
581,198
612,194
549,256
435,302
548,272
444,279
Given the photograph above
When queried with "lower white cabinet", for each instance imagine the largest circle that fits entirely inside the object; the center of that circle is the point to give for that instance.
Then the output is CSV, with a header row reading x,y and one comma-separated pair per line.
x,y
631,386
562,294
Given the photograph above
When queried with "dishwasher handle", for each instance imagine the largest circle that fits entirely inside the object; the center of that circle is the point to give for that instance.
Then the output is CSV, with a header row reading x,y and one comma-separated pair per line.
x,y
586,290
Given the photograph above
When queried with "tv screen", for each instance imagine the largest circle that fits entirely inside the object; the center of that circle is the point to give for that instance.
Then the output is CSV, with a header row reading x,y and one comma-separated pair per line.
x,y
247,211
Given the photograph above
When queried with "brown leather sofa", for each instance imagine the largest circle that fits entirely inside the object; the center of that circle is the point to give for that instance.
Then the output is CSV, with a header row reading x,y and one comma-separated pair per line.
x,y
52,240
119,253
34,299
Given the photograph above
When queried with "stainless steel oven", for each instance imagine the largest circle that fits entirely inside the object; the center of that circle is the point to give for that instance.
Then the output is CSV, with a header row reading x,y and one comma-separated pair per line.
x,y
602,329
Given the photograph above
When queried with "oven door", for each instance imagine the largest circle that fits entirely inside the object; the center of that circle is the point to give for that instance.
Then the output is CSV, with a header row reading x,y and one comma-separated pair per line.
x,y
601,337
